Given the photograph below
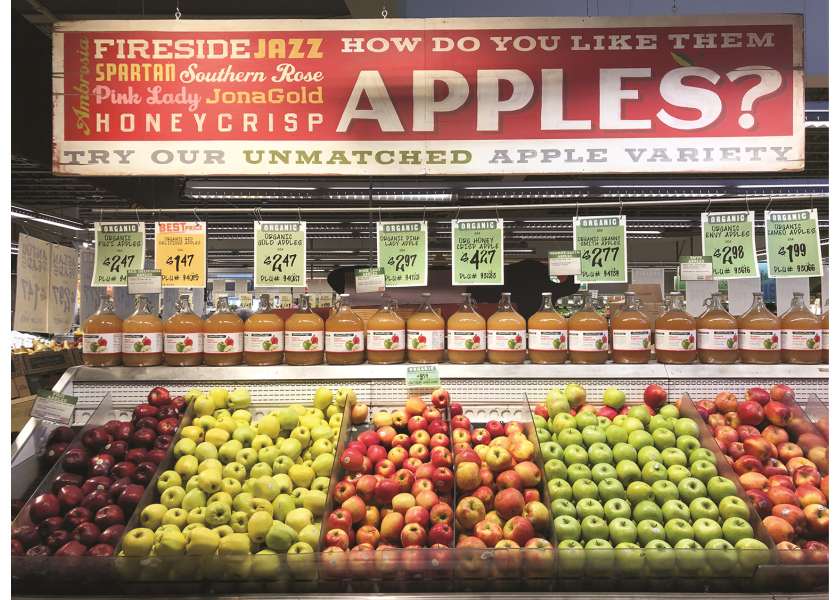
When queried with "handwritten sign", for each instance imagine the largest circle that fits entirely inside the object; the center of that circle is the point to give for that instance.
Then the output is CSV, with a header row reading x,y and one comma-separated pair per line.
x,y
53,407
729,238
478,252
425,376
401,251
33,285
285,301
181,253
245,300
143,281
602,242
326,299
280,253
563,262
370,280
118,247
696,268
793,243
64,275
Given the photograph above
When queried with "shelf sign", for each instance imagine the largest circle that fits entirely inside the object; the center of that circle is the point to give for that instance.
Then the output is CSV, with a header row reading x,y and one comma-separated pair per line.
x,y
245,300
117,248
478,252
144,281
53,407
425,376
792,239
370,280
563,262
285,301
602,242
696,268
401,251
280,253
181,253
729,238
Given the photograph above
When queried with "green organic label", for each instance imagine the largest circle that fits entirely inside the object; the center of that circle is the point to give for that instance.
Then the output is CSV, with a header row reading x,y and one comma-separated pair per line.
x,y
793,243
280,253
54,407
118,247
478,252
401,251
601,242
422,377
729,238
370,280
563,262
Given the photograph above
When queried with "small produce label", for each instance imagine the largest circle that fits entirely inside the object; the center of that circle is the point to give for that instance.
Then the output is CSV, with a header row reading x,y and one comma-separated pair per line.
x,y
478,252
754,339
263,341
717,339
344,341
181,254
544,339
797,339
506,340
729,238
142,343
369,280
144,281
601,242
825,339
466,340
631,339
677,340
221,343
245,300
380,341
280,253
118,247
589,341
563,262
423,376
793,243
401,252
183,343
696,268
304,341
425,339
102,343
53,407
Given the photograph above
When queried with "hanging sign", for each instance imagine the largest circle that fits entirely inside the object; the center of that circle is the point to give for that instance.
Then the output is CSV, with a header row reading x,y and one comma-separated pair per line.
x,y
792,239
181,253
33,285
401,251
145,281
53,407
602,242
117,248
563,262
280,253
369,280
696,268
729,238
64,278
478,247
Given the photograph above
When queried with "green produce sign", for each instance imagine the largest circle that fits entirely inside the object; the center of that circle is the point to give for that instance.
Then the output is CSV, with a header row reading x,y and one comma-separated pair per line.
x,y
729,238
280,253
478,252
401,251
602,243
793,243
118,248
425,376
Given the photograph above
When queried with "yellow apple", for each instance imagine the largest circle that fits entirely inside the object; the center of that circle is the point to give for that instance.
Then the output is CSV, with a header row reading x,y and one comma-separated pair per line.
x,y
258,526
220,497
210,481
231,486
172,498
219,396
235,471
197,515
175,516
186,467
194,433
211,464
205,450
184,446
152,516
217,436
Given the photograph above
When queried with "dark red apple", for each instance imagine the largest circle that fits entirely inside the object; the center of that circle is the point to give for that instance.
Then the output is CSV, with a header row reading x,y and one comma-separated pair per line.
x,y
111,427
130,498
117,487
180,403
17,506
47,527
53,453
101,465
761,502
168,412
76,517
96,483
162,442
61,435
44,507
101,550
95,438
124,431
57,539
71,548
75,461
86,534
96,500
144,438
70,497
112,535
39,551
146,423
66,479
159,397
123,469
156,456
167,427
143,410
27,535
144,473
17,548
117,449
136,455
108,516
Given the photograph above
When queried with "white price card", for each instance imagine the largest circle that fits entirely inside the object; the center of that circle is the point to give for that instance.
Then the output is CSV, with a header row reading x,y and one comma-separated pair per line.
x,y
370,280
53,407
563,262
144,281
696,268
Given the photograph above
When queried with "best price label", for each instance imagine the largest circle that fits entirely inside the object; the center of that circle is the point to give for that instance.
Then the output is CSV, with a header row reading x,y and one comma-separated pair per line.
x,y
181,254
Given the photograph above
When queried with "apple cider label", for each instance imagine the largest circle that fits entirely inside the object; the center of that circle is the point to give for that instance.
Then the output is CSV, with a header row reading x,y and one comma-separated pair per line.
x,y
425,339
344,341
631,339
544,339
304,341
717,339
263,341
222,343
183,343
506,340
142,343
754,339
677,340
798,339
102,343
380,341
467,340
825,339
589,341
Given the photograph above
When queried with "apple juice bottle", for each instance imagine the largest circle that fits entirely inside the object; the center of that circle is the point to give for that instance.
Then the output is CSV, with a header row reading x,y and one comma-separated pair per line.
x,y
183,336
630,333
588,335
304,336
424,334
801,329
759,333
263,337
344,337
386,334
507,335
676,334
142,336
547,335
466,334
102,337
824,325
223,336
717,334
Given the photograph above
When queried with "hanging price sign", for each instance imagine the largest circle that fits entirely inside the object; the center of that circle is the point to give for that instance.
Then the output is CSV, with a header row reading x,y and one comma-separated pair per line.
x,y
793,243
33,283
478,252
696,268
118,247
280,253
729,238
602,242
181,254
401,251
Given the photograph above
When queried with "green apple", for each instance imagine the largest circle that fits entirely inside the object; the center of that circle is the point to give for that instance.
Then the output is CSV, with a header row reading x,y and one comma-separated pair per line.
x,y
673,456
280,537
664,490
719,488
247,457
218,513
599,556
629,559
589,507
622,531
576,395
664,439
229,451
616,435
603,471
677,473
669,410
321,446
586,419
610,488
639,439
689,554
659,421
569,437
321,432
614,399
690,489
678,529
282,464
555,469
736,529
577,472
551,451
242,501
282,505
184,446
702,454
315,501
559,488
647,510
706,530
624,451
197,516
650,530
575,454
345,396
648,454
172,497
687,444
556,403
603,423
640,412
539,422
333,409
584,488
654,471
752,553
675,509
600,453
192,484
720,555
268,454
703,470
543,435
619,420
639,491
567,528
617,508
298,519
733,506
594,527
628,472
301,434
194,499
593,435
631,424
572,558
322,465
686,426
152,515
291,448
659,556
261,470
563,421
562,507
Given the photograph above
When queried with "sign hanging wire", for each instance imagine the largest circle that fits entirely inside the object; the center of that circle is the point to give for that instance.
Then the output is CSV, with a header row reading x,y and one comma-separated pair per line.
x,y
384,13
197,218
709,207
177,11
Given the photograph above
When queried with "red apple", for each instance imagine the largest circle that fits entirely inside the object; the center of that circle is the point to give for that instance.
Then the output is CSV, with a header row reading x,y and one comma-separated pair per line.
x,y
441,513
750,412
461,422
726,434
806,474
124,432
745,431
441,533
709,405
508,503
757,446
754,481
793,515
779,529
809,494
61,435
101,465
817,552
443,480
716,420
156,456
57,539
180,403
49,526
72,548
86,534
732,419
386,489
167,427
101,550
40,550
440,398
96,500
168,412
819,456
66,479
455,409
123,469
777,392
735,450
817,516
495,429
782,480
761,502
787,451
441,457
112,535
418,515
117,449
758,395
159,397
118,486
655,396
130,498
70,497
75,461
143,438
53,453
780,494
778,414
773,468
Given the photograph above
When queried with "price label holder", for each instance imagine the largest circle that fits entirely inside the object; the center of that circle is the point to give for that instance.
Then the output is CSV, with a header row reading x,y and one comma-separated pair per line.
x,y
144,281
792,239
181,253
280,253
370,280
117,248
602,242
696,268
729,238
53,407
425,376
401,251
478,252
563,262
285,301
245,300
